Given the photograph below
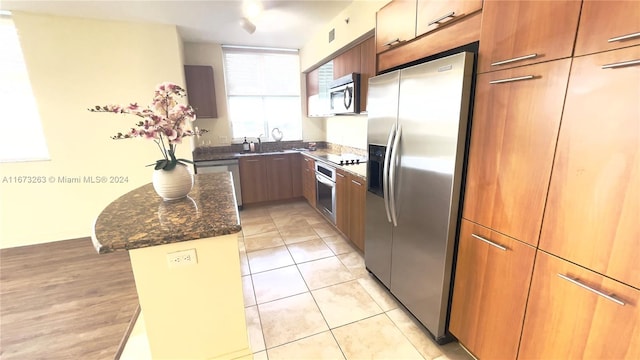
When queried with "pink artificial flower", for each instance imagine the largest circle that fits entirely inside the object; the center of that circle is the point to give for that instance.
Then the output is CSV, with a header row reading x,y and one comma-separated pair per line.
x,y
149,134
171,134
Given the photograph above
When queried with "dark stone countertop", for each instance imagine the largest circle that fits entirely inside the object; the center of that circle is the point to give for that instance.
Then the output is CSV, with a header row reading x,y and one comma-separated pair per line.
x,y
358,170
141,218
236,155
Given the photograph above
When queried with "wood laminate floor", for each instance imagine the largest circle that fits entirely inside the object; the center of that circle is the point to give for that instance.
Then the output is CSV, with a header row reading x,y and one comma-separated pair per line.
x,y
63,300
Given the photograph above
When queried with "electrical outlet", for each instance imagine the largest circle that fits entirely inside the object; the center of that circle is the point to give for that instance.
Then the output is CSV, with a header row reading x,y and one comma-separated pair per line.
x,y
222,139
182,258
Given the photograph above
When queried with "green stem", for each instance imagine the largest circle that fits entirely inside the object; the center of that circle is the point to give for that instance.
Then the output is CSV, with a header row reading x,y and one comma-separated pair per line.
x,y
160,148
164,148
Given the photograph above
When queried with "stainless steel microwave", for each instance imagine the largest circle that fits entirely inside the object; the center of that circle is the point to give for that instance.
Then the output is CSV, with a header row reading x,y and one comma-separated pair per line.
x,y
344,95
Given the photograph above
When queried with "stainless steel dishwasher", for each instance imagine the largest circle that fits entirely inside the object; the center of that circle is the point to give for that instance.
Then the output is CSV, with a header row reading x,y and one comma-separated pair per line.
x,y
213,166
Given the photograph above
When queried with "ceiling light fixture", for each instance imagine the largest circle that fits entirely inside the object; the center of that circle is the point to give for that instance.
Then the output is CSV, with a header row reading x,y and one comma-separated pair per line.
x,y
247,25
251,9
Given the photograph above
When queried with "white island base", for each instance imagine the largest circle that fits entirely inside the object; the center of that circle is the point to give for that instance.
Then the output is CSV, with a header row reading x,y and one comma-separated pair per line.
x,y
192,307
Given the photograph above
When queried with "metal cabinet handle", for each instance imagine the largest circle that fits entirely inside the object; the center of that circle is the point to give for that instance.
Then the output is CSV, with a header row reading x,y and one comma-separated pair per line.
x,y
624,37
451,14
598,292
355,182
621,64
394,41
489,242
339,174
519,78
249,160
520,58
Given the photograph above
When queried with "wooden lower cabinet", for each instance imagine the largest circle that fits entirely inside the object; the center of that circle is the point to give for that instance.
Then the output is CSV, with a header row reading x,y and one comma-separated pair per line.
x,y
357,196
350,206
296,175
279,182
253,179
342,201
309,180
567,318
490,291
268,177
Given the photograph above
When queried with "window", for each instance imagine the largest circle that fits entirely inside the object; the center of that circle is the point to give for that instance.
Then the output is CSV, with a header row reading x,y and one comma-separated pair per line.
x,y
263,92
20,121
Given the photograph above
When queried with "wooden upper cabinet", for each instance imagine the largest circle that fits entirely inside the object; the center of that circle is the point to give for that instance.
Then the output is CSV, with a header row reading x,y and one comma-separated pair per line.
x,y
516,33
279,182
395,24
253,179
433,14
492,279
201,91
357,195
312,78
592,216
346,63
515,127
574,313
608,25
342,201
367,68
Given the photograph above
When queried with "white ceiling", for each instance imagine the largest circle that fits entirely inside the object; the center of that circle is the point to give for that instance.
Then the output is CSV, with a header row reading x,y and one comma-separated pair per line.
x,y
283,24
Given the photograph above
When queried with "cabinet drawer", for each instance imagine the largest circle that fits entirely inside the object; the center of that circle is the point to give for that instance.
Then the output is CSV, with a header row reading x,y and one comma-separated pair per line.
x,y
434,14
516,33
608,25
593,210
395,24
490,291
515,127
574,313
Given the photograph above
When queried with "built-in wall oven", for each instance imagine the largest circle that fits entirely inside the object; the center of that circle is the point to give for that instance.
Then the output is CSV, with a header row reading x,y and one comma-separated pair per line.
x,y
326,190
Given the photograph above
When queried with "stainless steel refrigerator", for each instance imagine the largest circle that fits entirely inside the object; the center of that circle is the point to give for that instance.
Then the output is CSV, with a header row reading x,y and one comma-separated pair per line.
x,y
417,126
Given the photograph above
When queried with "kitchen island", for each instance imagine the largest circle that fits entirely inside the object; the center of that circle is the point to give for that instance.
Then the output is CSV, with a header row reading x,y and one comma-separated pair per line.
x,y
184,256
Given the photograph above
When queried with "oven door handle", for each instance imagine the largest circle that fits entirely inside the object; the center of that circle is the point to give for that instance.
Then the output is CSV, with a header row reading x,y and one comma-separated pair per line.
x,y
392,176
385,172
322,180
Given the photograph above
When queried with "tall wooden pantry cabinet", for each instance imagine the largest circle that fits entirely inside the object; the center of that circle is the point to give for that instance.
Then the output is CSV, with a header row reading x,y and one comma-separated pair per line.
x,y
549,254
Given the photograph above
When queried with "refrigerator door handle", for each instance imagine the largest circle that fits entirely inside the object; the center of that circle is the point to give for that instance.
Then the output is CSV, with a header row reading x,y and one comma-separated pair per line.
x,y
392,176
385,172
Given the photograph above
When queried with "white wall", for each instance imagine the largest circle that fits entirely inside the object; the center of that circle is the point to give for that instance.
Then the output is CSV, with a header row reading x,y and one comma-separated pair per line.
x,y
74,64
348,130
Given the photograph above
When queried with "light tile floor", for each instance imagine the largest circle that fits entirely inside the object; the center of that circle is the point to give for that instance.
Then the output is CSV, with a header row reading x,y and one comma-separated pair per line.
x,y
308,295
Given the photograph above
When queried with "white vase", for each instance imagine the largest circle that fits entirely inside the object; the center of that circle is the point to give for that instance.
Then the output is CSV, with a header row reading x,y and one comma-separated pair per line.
x,y
173,184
